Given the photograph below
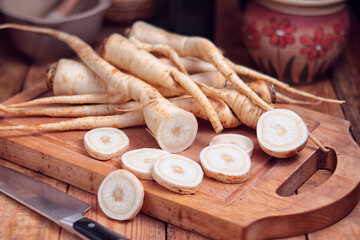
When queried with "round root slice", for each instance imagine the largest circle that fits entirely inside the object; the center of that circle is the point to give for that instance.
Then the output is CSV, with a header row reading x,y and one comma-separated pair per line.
x,y
141,161
121,195
240,140
226,163
178,173
281,133
105,143
175,131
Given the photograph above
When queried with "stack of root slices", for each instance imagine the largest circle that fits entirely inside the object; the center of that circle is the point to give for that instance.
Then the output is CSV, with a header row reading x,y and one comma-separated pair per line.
x,y
280,133
227,158
121,194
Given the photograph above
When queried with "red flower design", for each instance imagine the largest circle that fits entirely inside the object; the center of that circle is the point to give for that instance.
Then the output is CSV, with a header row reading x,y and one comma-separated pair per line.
x,y
279,33
317,46
341,33
252,36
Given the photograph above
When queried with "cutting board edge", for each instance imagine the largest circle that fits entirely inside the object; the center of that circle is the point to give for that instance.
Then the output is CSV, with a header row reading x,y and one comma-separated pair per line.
x,y
190,227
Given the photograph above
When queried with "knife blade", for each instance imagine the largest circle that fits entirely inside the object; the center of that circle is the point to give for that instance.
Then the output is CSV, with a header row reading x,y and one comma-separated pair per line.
x,y
61,208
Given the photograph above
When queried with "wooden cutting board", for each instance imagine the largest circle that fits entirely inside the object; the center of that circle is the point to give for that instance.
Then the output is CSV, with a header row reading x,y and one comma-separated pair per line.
x,y
265,206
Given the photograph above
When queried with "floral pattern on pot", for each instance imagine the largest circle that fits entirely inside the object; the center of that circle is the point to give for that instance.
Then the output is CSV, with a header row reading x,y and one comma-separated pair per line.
x,y
317,46
252,35
341,31
279,33
295,49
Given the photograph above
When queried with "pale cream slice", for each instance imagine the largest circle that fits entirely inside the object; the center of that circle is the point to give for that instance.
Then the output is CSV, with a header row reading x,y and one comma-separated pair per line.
x,y
141,161
281,133
240,140
121,195
226,162
105,143
178,173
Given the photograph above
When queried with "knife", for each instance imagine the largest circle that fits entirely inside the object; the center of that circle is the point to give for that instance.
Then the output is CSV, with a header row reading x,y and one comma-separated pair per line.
x,y
61,208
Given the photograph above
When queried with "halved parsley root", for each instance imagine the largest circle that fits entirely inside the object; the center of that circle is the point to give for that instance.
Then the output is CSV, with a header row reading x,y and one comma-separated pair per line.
x,y
178,173
225,162
141,161
240,140
281,133
121,195
105,143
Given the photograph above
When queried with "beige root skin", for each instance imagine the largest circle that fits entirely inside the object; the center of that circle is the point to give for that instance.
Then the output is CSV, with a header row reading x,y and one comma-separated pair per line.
x,y
125,120
165,50
132,117
203,49
227,118
193,65
280,98
129,85
73,111
197,65
241,70
154,71
243,107
109,98
195,47
79,80
69,77
212,79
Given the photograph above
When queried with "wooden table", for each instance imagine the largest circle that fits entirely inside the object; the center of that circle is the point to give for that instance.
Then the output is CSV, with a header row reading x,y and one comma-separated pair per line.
x,y
18,74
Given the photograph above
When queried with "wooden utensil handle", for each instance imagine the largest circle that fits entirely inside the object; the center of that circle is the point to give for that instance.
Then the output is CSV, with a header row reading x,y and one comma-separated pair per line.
x,y
94,230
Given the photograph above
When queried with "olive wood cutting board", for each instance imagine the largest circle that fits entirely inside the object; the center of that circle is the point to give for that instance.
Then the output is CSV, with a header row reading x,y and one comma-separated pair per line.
x,y
265,206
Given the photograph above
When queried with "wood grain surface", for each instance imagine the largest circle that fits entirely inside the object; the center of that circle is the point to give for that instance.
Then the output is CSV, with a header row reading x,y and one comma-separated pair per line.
x,y
265,206
18,222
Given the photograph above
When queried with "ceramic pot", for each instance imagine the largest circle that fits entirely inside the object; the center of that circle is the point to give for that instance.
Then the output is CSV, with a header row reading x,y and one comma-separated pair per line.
x,y
296,41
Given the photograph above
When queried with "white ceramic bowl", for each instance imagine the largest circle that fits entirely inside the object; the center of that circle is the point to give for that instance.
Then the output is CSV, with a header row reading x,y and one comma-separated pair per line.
x,y
85,22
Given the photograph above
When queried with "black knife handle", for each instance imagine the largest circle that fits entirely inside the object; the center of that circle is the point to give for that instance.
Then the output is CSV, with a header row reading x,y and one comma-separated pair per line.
x,y
96,231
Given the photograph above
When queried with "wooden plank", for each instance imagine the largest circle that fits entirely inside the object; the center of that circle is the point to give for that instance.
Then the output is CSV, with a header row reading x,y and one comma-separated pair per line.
x,y
141,227
346,80
174,233
20,222
62,156
326,110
